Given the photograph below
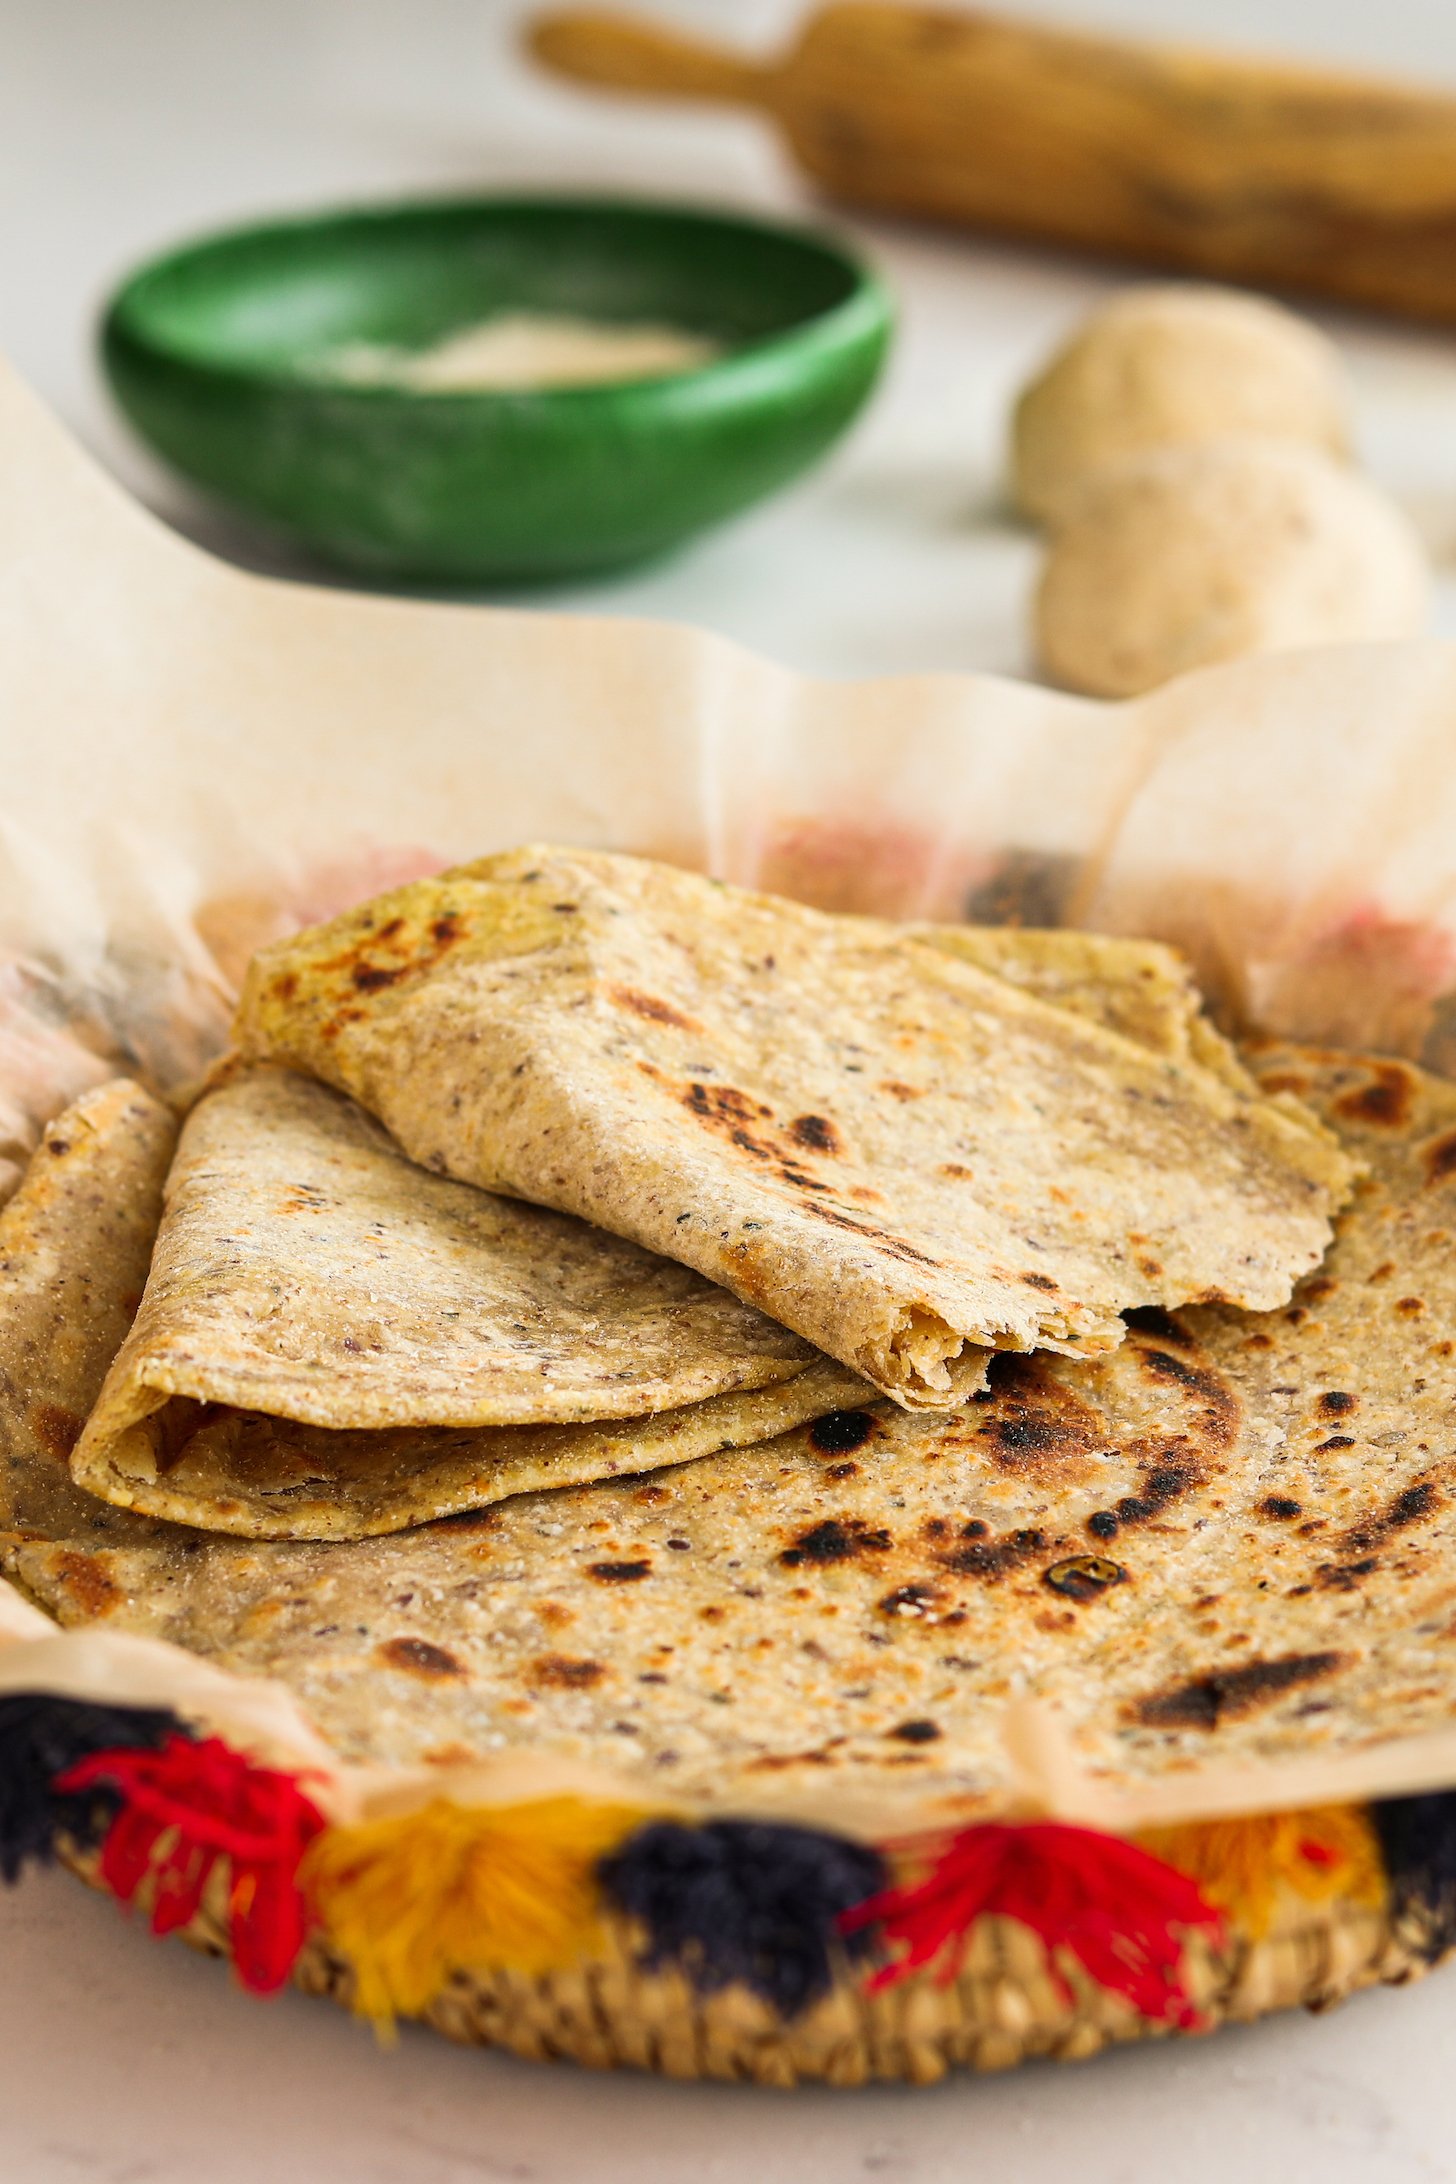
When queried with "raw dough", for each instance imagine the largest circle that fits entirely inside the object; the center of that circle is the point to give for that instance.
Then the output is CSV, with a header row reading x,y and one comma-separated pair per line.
x,y
1161,365
1193,554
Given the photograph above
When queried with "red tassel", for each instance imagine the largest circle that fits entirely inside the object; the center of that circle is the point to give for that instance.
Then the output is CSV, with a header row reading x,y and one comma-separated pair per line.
x,y
1120,1911
184,1808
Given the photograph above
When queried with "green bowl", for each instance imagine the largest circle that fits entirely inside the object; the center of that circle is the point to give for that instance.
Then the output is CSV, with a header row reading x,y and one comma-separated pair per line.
x,y
214,354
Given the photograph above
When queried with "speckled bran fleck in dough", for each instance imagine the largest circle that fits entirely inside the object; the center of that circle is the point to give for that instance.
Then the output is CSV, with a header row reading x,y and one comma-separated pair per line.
x,y
1230,1538
897,1155
334,1342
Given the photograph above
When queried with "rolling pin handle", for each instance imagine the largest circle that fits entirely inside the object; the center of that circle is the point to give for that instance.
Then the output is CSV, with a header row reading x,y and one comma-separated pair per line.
x,y
638,56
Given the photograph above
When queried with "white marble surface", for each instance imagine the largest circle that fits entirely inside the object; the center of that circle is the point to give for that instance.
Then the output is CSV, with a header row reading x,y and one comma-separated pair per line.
x,y
125,123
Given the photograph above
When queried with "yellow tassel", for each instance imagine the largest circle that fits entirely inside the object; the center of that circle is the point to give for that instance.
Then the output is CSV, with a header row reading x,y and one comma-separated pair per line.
x,y
1243,1866
413,1899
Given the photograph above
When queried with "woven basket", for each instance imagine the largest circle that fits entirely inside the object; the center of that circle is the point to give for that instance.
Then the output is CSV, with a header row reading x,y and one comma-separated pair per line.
x,y
1004,2007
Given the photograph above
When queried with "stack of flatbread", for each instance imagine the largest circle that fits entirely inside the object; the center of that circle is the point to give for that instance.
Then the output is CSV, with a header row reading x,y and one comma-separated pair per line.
x,y
739,1350
605,1313
676,1326
762,1164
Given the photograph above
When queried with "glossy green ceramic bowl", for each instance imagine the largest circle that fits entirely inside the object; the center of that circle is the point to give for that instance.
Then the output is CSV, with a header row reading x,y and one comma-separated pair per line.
x,y
217,353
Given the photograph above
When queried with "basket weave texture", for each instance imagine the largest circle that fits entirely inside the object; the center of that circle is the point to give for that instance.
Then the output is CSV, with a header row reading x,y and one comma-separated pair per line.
x,y
1004,2007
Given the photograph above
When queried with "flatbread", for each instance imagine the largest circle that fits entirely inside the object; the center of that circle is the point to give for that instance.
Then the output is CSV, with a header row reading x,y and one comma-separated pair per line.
x,y
75,1242
900,1157
1310,1601
1140,988
334,1342
831,1625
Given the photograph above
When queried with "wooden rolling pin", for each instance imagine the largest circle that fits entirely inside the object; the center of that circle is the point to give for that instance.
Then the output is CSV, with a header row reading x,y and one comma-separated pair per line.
x,y
1248,170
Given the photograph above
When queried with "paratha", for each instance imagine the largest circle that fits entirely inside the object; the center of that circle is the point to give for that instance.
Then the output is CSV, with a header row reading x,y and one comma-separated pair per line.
x,y
899,1156
1230,1537
334,1342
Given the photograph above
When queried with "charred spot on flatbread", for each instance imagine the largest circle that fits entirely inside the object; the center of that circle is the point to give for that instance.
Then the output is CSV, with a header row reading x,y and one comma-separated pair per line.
x,y
816,1133
1384,1102
649,1006
1084,1577
980,1555
1412,1505
1039,1423
920,1731
419,1657
86,1584
838,1432
1440,1157
1204,1702
836,1540
562,1672
56,1429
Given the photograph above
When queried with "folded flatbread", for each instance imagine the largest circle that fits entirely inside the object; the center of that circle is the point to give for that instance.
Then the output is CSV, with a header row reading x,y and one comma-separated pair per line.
x,y
898,1155
334,1342
1228,1541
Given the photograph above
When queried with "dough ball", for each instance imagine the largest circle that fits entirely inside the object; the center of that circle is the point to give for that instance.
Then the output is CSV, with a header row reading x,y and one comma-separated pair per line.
x,y
1160,366
1192,554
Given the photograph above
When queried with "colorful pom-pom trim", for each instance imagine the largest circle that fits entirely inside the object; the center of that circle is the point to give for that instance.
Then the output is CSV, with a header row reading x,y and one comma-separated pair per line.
x,y
183,1822
1417,1838
1324,1854
410,1901
744,1902
41,1738
193,1812
1122,1914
